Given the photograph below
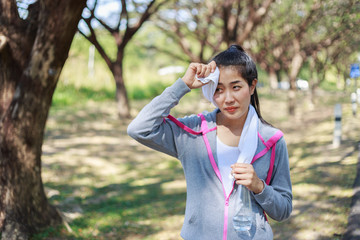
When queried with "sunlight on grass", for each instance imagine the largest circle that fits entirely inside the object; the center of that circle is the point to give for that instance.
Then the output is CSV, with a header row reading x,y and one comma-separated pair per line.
x,y
144,181
109,186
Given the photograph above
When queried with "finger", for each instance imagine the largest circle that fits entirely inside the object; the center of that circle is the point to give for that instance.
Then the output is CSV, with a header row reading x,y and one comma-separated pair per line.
x,y
240,165
193,66
241,168
207,71
245,183
198,70
189,76
203,70
242,176
212,65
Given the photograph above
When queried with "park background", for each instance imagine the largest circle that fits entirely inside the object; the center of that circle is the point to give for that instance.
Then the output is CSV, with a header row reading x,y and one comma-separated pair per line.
x,y
107,186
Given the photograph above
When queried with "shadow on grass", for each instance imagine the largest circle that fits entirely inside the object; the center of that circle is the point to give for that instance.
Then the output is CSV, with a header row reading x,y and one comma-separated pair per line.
x,y
111,187
107,185
115,211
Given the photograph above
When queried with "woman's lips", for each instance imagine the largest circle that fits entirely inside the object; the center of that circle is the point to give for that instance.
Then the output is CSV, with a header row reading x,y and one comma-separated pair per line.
x,y
230,109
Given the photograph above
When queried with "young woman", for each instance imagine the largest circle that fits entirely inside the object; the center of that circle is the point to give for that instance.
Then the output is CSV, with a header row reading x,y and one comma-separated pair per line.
x,y
224,152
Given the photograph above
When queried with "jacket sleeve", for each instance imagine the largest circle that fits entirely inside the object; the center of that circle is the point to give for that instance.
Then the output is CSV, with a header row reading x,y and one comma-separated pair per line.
x,y
276,198
150,126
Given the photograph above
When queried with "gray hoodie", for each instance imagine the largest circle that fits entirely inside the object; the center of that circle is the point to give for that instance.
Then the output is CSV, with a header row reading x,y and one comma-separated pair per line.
x,y
208,213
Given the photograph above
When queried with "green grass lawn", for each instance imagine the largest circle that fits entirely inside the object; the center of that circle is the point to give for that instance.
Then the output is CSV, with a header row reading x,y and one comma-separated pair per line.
x,y
110,187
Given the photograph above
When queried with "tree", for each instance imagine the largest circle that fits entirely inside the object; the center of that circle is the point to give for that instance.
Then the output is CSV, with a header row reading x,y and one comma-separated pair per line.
x,y
33,50
340,55
295,32
203,28
337,47
129,19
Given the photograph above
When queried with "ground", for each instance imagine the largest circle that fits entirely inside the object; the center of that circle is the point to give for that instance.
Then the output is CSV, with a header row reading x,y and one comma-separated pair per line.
x,y
110,187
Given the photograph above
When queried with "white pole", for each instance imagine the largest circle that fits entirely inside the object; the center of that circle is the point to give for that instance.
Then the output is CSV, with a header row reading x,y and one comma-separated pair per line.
x,y
354,103
91,60
337,129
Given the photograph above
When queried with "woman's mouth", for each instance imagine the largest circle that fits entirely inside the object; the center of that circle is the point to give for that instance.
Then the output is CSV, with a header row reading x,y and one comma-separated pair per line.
x,y
230,109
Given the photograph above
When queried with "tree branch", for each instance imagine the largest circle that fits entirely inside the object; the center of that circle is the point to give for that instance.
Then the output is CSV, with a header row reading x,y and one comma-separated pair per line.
x,y
303,27
230,21
255,18
130,31
107,27
124,13
92,16
8,10
180,57
3,41
92,38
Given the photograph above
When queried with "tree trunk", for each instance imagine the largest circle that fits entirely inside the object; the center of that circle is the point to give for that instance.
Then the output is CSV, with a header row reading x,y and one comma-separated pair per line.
x,y
339,81
30,65
273,80
121,93
313,88
312,82
295,67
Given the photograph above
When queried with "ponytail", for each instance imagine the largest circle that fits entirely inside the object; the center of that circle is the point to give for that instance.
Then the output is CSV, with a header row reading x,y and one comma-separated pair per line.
x,y
256,104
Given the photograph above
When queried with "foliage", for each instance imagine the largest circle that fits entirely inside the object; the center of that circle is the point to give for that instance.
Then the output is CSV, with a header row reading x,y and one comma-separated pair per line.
x,y
77,86
201,29
69,95
122,23
151,49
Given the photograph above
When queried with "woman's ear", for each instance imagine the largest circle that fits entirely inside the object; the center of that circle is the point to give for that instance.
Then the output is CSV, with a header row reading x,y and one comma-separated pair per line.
x,y
253,85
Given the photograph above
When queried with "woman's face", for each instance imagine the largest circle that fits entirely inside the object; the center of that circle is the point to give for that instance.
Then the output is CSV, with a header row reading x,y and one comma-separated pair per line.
x,y
233,94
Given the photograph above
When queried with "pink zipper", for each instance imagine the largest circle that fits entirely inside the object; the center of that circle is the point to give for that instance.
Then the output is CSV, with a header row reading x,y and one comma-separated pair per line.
x,y
217,172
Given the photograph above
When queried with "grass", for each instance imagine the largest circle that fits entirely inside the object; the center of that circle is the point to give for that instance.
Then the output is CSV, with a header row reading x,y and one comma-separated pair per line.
x,y
110,187
78,83
74,89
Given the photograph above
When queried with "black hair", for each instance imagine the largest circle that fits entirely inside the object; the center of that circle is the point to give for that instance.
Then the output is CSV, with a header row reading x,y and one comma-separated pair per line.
x,y
236,57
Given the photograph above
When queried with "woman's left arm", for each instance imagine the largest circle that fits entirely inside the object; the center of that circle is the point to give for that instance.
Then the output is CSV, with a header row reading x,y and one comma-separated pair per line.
x,y
276,198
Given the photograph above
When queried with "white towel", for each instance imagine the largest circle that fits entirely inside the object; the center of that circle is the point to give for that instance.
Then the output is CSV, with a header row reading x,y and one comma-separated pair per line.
x,y
249,138
212,82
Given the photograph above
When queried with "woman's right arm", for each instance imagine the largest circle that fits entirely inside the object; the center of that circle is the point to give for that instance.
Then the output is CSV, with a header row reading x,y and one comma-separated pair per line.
x,y
150,126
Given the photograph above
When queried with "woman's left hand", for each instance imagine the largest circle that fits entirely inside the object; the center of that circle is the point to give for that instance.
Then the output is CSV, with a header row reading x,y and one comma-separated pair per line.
x,y
245,174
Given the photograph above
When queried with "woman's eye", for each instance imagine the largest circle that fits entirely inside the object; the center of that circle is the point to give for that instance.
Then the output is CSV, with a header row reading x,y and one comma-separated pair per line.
x,y
237,87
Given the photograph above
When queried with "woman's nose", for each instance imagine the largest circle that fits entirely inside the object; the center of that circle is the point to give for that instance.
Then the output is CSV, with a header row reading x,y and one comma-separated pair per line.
x,y
229,97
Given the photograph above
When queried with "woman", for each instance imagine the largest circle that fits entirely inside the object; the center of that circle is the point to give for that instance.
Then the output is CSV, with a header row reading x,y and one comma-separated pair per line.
x,y
224,142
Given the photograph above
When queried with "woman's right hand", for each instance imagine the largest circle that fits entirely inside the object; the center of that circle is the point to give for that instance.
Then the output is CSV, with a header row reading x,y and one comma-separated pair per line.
x,y
199,69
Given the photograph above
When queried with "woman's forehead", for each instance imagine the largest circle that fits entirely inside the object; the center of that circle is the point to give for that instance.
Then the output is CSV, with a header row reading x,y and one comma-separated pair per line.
x,y
229,74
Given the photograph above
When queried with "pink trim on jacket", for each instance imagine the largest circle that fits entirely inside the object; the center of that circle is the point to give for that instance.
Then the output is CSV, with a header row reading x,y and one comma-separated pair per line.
x,y
271,143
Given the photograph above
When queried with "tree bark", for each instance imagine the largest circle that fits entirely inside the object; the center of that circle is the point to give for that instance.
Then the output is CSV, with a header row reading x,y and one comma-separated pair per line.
x,y
30,65
273,78
295,67
121,93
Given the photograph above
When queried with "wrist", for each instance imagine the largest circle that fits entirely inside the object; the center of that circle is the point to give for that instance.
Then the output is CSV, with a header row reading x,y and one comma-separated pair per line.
x,y
187,82
259,187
